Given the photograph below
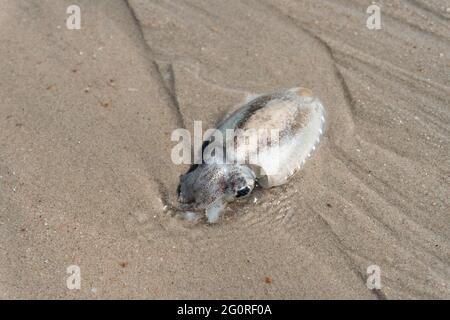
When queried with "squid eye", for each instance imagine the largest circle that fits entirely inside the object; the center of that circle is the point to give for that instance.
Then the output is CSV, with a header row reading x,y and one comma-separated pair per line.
x,y
243,192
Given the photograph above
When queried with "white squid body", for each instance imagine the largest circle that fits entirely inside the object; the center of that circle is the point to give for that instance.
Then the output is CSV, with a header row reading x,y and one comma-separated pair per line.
x,y
300,119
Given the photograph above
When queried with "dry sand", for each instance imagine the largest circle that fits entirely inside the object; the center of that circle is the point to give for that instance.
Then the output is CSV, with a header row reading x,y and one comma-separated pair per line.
x,y
85,171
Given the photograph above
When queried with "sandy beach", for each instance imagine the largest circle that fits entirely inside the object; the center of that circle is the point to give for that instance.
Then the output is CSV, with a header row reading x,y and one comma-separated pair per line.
x,y
86,176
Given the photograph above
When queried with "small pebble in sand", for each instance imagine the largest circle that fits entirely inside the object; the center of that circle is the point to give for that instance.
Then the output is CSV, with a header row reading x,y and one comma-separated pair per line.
x,y
268,280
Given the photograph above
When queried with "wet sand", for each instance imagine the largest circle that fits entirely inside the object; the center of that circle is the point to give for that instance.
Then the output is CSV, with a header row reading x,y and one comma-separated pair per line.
x,y
85,171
